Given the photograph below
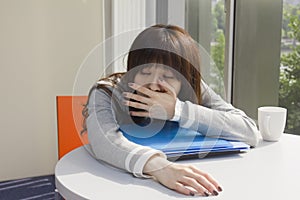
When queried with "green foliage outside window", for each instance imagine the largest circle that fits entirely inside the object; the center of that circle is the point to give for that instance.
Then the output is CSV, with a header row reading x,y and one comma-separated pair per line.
x,y
218,45
289,91
289,80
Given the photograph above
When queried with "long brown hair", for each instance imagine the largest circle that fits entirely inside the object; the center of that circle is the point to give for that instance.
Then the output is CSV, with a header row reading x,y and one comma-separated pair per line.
x,y
168,45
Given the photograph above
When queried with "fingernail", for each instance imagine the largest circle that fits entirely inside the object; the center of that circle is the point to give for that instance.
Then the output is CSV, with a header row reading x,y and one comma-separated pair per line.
x,y
124,94
130,84
192,193
215,193
206,194
220,189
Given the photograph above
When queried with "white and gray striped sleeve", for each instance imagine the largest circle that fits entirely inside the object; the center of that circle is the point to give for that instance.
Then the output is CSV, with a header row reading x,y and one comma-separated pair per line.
x,y
217,118
107,143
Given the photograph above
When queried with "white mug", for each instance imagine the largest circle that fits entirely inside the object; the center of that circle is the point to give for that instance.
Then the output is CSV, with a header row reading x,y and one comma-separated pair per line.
x,y
271,122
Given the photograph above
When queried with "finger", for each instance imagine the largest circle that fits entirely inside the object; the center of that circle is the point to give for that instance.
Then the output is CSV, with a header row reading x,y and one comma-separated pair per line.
x,y
137,97
208,177
183,190
136,105
141,89
140,114
191,182
167,86
206,184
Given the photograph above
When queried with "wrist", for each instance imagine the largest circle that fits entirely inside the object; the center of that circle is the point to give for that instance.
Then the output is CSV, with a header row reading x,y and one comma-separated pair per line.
x,y
155,165
178,110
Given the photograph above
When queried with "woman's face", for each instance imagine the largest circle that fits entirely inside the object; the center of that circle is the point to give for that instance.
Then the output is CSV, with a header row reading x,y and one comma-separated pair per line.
x,y
149,76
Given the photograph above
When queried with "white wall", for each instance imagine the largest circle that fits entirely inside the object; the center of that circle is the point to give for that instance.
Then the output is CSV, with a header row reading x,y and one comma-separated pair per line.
x,y
42,44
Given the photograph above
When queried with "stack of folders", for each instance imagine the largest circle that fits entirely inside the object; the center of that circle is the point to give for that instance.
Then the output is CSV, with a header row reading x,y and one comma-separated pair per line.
x,y
177,142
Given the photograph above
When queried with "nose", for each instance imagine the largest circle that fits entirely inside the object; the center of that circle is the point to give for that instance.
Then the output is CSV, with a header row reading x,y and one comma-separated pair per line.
x,y
155,87
153,84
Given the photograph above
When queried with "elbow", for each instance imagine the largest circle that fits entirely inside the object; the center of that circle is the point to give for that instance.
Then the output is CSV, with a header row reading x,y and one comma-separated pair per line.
x,y
253,138
252,133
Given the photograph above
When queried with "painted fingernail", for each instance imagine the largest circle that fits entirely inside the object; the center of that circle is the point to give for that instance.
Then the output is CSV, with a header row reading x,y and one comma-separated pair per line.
x,y
215,193
192,193
220,189
206,194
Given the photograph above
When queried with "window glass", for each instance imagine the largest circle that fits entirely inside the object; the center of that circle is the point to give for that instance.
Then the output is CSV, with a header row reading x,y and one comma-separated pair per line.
x,y
205,21
289,90
217,50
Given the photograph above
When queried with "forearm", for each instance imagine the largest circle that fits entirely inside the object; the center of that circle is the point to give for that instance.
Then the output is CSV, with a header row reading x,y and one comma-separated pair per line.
x,y
231,123
106,141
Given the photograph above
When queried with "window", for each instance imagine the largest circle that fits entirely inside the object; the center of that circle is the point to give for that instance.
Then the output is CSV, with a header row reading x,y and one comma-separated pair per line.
x,y
256,54
289,79
242,37
206,22
203,19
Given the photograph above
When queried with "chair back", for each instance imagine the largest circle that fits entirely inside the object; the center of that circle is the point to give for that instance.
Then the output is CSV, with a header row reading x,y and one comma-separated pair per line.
x,y
69,123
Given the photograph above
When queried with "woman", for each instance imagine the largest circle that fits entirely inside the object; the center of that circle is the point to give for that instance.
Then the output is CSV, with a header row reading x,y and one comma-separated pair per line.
x,y
162,82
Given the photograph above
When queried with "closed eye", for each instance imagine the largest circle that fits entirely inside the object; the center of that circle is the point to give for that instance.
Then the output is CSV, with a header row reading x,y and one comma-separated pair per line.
x,y
145,73
169,76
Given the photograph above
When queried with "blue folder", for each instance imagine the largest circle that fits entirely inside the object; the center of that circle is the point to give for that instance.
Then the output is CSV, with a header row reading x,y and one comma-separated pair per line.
x,y
177,142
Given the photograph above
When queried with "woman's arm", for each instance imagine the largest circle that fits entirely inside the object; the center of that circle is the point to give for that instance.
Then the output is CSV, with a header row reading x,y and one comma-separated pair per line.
x,y
214,118
217,118
108,143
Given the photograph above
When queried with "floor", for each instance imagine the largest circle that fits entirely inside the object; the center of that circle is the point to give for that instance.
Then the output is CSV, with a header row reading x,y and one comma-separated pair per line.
x,y
35,188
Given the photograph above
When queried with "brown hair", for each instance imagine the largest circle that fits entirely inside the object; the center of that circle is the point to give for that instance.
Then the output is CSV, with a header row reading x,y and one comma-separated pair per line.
x,y
171,46
168,45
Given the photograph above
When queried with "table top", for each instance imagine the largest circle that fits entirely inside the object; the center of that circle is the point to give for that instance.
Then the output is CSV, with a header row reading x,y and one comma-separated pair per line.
x,y
269,171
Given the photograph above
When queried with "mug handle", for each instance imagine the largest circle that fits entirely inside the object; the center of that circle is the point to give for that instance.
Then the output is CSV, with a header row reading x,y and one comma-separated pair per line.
x,y
267,125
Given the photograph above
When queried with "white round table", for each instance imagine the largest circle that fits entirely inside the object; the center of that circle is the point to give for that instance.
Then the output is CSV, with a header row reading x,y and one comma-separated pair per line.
x,y
269,171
